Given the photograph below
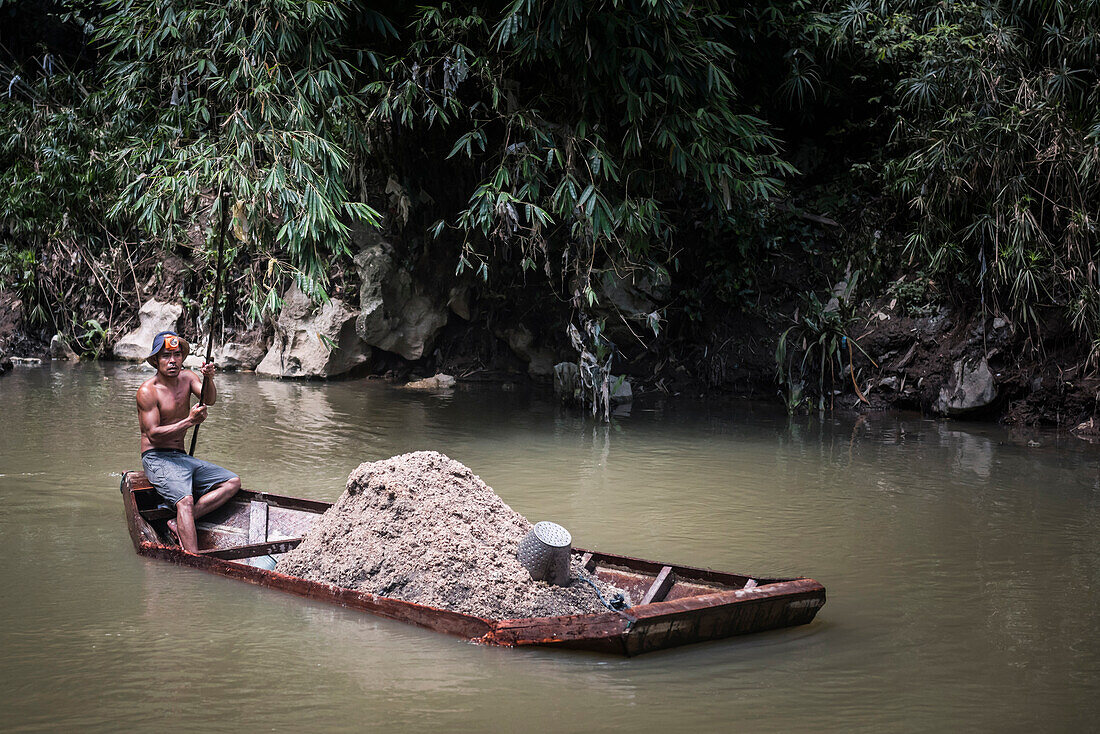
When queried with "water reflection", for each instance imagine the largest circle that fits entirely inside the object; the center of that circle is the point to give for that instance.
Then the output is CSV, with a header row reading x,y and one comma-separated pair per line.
x,y
969,452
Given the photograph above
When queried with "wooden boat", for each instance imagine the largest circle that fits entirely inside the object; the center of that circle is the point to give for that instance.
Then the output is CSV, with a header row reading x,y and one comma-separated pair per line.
x,y
678,605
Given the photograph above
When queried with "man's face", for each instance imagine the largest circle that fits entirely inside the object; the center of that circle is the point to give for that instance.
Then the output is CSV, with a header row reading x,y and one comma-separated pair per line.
x,y
169,363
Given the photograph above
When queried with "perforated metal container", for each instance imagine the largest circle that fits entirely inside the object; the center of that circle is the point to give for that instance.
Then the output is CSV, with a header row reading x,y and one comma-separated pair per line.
x,y
544,552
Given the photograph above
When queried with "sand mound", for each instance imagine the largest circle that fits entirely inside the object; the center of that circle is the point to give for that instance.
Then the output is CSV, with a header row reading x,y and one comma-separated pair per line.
x,y
424,528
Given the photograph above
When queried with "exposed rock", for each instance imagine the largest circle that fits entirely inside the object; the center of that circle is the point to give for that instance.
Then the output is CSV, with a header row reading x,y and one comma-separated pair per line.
x,y
239,355
395,314
302,337
636,294
245,353
630,304
621,392
458,300
60,351
438,382
540,361
567,381
970,388
842,291
154,317
1002,334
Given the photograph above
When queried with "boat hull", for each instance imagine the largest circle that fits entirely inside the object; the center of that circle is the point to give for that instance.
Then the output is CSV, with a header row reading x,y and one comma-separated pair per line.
x,y
682,605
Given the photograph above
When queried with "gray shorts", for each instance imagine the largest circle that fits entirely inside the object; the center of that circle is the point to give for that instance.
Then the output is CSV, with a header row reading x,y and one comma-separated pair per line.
x,y
176,475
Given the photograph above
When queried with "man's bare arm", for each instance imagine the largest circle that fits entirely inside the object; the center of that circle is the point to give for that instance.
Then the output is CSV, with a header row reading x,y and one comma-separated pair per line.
x,y
211,389
149,418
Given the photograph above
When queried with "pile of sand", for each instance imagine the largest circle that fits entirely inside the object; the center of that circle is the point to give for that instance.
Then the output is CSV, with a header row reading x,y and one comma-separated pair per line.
x,y
424,528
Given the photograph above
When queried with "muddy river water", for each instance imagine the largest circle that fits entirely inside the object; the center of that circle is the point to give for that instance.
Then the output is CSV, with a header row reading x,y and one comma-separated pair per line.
x,y
962,564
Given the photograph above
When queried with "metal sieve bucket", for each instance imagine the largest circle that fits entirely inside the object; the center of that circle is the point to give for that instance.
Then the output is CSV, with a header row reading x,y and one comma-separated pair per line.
x,y
544,552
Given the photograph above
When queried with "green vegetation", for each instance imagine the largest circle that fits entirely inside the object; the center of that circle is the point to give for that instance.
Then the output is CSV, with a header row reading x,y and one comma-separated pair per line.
x,y
994,142
242,102
820,334
187,109
588,135
530,148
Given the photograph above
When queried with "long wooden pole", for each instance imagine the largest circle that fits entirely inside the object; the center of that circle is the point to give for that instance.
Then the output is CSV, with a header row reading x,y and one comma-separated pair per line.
x,y
213,311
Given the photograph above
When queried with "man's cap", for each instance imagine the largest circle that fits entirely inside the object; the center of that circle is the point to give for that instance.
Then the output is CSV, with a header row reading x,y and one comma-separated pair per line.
x,y
168,341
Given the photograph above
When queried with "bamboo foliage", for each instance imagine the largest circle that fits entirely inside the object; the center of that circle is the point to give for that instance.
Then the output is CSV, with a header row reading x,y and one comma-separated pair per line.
x,y
588,124
250,98
52,212
995,143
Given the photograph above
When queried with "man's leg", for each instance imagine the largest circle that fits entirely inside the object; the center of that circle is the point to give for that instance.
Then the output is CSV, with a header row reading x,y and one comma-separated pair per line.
x,y
188,510
172,480
185,525
217,497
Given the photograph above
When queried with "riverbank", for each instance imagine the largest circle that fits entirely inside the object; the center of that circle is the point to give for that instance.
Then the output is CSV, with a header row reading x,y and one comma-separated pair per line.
x,y
950,362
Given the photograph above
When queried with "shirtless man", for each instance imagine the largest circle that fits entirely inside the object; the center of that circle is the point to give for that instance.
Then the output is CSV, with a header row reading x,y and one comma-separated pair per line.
x,y
193,486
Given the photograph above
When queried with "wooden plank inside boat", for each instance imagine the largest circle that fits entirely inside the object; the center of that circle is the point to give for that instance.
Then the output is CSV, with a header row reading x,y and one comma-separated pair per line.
x,y
660,586
252,550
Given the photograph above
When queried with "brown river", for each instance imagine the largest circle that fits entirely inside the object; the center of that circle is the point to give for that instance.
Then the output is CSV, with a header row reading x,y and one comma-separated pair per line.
x,y
962,564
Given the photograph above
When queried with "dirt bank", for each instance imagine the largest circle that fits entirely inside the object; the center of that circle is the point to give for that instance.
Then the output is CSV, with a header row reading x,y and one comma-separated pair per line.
x,y
1030,375
16,338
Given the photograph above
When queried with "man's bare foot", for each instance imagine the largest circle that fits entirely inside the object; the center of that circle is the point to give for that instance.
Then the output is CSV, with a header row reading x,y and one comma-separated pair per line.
x,y
174,532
